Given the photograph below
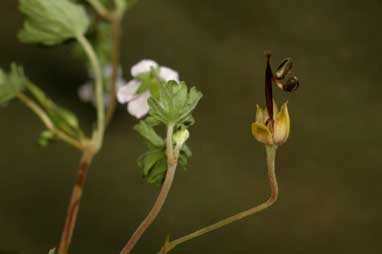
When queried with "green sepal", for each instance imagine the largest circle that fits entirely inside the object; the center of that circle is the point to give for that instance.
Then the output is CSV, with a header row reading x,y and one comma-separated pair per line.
x,y
51,22
149,81
11,83
174,103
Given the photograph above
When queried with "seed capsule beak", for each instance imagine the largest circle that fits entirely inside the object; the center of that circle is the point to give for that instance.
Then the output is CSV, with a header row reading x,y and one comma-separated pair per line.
x,y
284,68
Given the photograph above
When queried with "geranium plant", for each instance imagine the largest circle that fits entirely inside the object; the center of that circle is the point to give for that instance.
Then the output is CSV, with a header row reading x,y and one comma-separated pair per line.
x,y
155,96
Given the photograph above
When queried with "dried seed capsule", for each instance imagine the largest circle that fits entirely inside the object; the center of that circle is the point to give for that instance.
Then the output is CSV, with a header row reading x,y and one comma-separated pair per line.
x,y
284,68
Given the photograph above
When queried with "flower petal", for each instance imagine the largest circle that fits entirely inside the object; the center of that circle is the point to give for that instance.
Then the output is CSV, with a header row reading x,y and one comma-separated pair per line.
x,y
85,92
127,92
282,125
168,74
262,133
139,107
142,67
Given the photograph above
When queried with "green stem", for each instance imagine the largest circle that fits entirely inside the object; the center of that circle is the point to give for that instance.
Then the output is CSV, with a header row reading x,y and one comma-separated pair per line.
x,y
47,122
171,167
271,156
116,24
98,137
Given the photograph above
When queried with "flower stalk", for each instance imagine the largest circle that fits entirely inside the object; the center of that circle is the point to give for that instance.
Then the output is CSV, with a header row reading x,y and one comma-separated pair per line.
x,y
271,156
99,132
171,168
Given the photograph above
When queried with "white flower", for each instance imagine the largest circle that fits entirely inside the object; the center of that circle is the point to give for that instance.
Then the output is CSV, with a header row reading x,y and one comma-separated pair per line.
x,y
143,66
137,103
86,91
168,74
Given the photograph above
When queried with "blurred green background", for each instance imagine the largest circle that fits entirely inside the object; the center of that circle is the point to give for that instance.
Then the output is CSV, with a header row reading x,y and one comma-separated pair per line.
x,y
329,171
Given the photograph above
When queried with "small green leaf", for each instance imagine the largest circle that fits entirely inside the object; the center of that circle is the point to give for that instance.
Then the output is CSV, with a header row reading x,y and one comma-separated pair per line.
x,y
150,159
11,83
148,132
51,22
153,164
175,103
158,173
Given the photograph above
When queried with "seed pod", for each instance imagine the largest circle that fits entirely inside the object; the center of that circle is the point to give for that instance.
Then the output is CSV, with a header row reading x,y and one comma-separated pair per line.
x,y
284,68
291,84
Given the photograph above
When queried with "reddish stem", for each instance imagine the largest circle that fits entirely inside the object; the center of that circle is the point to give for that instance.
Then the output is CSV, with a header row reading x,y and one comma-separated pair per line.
x,y
74,205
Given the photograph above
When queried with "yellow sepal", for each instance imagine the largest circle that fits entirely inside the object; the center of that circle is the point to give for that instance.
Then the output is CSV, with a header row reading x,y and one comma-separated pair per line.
x,y
281,125
262,133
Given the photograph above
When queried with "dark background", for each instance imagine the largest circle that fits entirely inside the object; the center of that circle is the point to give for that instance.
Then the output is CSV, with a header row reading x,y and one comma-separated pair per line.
x,y
329,171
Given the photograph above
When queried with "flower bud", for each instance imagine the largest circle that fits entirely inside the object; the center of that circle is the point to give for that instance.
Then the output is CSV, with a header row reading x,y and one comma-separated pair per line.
x,y
180,137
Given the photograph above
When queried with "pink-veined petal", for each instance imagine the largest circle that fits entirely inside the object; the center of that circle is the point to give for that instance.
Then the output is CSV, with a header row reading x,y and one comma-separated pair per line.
x,y
139,107
127,92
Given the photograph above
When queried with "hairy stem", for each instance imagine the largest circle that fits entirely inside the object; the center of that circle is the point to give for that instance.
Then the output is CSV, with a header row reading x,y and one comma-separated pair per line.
x,y
98,138
271,156
75,200
47,122
171,167
116,24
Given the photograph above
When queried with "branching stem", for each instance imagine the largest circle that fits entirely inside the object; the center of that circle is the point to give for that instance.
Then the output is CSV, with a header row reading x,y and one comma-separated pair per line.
x,y
47,122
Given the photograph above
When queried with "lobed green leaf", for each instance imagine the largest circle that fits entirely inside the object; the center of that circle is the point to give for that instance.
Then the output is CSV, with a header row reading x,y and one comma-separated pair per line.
x,y
51,22
175,103
148,132
11,83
